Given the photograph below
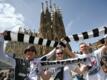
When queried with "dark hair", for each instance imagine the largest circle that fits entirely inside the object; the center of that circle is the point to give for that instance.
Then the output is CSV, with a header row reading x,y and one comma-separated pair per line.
x,y
82,43
30,48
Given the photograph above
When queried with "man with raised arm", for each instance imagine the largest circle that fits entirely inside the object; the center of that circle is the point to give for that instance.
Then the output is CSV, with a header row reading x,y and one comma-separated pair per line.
x,y
91,69
35,70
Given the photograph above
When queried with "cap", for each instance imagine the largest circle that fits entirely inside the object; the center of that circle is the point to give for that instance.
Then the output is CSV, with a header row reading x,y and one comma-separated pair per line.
x,y
30,48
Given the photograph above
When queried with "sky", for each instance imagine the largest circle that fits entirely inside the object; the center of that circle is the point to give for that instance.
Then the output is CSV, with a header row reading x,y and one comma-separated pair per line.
x,y
78,15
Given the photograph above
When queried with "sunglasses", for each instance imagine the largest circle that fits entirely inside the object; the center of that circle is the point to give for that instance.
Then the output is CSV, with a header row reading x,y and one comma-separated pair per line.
x,y
59,53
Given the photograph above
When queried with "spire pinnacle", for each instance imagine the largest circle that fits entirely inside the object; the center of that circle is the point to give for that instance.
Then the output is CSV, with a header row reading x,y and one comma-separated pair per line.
x,y
50,4
55,7
46,3
42,6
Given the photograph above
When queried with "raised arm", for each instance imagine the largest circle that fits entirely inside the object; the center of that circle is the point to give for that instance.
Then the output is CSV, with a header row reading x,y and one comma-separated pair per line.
x,y
103,49
48,55
69,52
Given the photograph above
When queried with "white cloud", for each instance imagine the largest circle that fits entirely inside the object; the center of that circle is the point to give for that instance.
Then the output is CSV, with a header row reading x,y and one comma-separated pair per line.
x,y
1,6
9,19
8,10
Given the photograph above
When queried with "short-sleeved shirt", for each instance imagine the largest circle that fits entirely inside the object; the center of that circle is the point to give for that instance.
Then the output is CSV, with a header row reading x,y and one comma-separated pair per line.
x,y
98,75
36,68
67,75
101,74
91,61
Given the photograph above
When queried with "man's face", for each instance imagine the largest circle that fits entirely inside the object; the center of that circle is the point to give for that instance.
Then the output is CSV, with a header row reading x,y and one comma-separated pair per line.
x,y
83,48
30,55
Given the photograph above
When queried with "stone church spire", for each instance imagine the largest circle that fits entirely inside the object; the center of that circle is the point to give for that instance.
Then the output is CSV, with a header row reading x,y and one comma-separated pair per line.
x,y
45,30
58,25
48,22
45,23
42,21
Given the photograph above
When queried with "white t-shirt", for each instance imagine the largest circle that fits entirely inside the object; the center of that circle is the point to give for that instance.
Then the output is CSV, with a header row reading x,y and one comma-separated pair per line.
x,y
36,68
98,75
97,53
67,75
91,61
101,74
